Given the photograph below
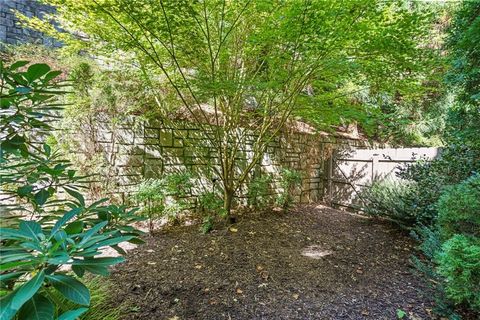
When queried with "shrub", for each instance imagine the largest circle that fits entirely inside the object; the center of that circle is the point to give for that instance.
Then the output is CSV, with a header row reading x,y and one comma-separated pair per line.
x,y
151,193
164,197
63,229
389,198
431,178
210,205
258,194
459,209
289,182
459,264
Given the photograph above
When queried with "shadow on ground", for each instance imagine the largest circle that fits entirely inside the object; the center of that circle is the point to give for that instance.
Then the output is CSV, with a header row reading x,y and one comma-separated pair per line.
x,y
312,263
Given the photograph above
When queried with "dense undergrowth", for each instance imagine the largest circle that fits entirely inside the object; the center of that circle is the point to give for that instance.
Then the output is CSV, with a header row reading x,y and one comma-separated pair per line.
x,y
439,200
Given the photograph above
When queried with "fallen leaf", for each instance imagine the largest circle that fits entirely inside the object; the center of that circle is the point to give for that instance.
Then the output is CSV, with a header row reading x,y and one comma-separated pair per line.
x,y
151,263
239,291
233,229
259,268
198,266
365,313
295,296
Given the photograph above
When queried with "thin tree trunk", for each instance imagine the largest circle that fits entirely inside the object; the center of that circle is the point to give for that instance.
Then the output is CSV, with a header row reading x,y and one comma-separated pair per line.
x,y
227,202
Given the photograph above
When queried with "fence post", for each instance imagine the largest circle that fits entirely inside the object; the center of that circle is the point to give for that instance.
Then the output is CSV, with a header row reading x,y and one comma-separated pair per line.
x,y
374,165
330,178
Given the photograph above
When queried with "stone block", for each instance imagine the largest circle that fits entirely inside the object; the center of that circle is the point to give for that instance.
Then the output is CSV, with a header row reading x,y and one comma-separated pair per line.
x,y
166,138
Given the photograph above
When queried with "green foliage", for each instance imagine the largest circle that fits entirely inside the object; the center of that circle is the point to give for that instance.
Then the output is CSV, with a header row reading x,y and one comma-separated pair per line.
x,y
207,224
290,181
152,193
259,193
178,184
164,197
210,205
459,264
255,64
429,179
459,209
390,199
65,230
464,44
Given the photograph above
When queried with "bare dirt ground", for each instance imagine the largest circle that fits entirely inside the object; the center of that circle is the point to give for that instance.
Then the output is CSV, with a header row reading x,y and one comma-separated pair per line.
x,y
312,263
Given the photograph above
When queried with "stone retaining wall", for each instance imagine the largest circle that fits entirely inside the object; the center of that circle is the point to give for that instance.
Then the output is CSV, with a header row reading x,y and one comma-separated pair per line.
x,y
133,150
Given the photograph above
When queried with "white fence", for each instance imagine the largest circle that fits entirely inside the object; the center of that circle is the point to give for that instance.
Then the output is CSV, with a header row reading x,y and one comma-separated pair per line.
x,y
350,170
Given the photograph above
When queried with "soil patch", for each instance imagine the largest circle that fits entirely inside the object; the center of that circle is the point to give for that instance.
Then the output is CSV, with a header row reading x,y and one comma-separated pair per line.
x,y
312,263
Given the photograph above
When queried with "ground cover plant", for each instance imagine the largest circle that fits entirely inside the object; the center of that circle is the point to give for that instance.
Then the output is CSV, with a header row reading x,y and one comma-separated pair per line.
x,y
43,231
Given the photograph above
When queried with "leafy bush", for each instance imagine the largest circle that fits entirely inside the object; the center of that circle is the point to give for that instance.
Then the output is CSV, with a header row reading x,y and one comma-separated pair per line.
x,y
290,181
210,205
389,198
151,193
164,197
459,209
459,264
455,164
258,195
63,229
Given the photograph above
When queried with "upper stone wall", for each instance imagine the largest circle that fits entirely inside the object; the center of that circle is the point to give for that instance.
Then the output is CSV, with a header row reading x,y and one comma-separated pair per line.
x,y
11,30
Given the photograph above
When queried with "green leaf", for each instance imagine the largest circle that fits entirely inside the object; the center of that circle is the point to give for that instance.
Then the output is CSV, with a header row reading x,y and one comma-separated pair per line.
x,y
401,314
36,71
24,190
74,227
41,197
47,149
103,261
73,314
23,90
71,288
66,217
12,234
31,228
52,75
87,235
100,270
77,195
18,64
26,291
37,308
6,310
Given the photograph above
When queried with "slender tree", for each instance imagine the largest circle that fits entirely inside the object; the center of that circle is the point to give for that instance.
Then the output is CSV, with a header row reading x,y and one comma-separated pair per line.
x,y
243,67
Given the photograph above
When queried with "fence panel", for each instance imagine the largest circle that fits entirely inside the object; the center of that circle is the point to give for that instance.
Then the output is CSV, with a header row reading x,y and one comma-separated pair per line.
x,y
353,169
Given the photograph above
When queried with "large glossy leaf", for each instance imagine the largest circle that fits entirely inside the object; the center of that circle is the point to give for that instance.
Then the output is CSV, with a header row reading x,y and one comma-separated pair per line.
x,y
87,235
41,197
74,227
72,314
6,311
12,234
36,71
77,195
31,228
71,288
12,303
66,217
103,261
37,308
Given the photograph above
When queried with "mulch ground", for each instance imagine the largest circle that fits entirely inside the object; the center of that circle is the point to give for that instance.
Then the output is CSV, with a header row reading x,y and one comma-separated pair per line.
x,y
257,271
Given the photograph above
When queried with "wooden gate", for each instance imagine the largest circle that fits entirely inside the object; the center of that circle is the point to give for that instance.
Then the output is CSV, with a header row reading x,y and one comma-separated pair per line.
x,y
349,170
